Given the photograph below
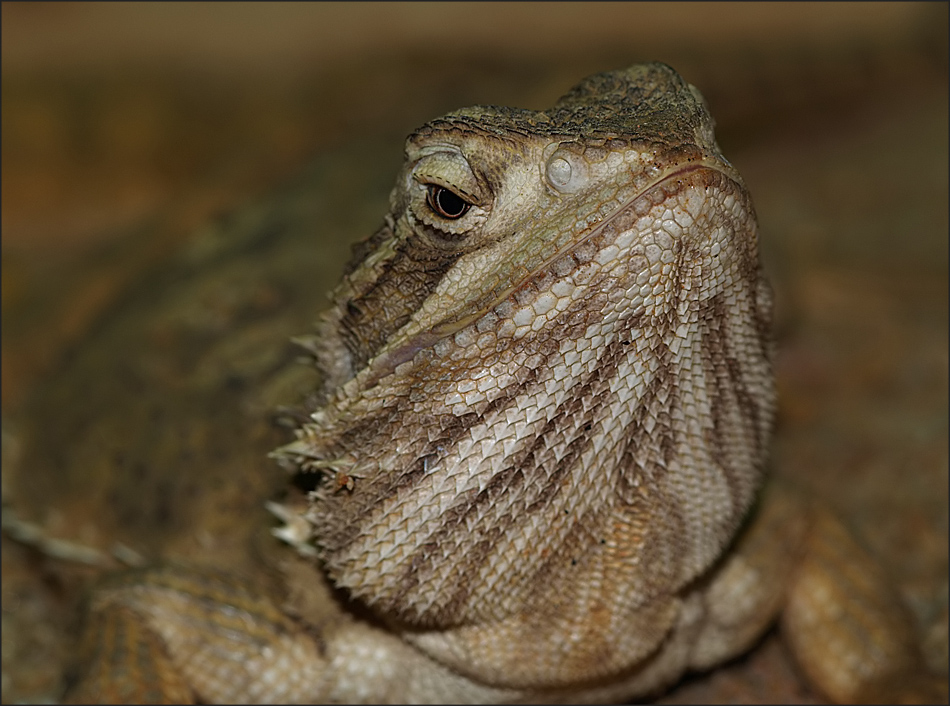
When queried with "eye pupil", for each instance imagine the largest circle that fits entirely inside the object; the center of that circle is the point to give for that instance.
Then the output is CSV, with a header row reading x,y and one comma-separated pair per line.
x,y
446,203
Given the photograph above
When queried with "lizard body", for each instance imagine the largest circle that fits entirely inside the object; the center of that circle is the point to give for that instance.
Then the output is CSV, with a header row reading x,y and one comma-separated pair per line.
x,y
548,392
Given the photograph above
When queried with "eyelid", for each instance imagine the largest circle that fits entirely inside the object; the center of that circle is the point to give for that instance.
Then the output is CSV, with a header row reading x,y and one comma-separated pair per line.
x,y
428,181
450,170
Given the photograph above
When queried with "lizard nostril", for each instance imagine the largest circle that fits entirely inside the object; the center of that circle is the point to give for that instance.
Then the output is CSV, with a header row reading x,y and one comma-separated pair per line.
x,y
559,171
566,172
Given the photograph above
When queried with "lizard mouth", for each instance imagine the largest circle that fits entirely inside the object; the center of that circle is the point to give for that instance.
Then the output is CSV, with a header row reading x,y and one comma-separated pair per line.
x,y
449,326
386,362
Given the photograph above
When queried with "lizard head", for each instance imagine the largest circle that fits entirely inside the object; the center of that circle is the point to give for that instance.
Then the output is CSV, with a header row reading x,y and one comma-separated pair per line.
x,y
488,196
556,341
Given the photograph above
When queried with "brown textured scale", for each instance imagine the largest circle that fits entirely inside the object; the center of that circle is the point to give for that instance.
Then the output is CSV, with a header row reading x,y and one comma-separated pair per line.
x,y
546,408
577,416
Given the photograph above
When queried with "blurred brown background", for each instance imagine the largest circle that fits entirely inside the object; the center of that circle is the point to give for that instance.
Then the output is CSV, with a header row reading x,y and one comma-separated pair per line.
x,y
126,127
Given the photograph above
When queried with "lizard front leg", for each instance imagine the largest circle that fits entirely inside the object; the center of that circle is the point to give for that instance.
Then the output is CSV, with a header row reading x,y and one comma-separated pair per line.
x,y
176,635
847,629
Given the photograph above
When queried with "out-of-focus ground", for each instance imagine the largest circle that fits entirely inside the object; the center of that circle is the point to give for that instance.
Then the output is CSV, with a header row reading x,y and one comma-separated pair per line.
x,y
128,127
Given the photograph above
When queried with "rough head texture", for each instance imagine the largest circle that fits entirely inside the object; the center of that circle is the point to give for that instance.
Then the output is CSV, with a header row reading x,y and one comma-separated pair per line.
x,y
551,411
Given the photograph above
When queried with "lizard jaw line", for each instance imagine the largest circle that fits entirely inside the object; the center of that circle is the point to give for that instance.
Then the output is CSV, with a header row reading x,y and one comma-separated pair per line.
x,y
386,363
448,327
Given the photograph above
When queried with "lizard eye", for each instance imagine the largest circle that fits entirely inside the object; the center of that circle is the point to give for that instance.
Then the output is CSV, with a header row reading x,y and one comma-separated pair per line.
x,y
446,203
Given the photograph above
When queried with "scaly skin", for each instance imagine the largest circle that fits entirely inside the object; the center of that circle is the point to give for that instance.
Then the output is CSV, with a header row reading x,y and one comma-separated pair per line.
x,y
546,409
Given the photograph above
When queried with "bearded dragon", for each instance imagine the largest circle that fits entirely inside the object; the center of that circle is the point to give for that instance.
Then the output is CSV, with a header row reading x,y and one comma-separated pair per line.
x,y
538,448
